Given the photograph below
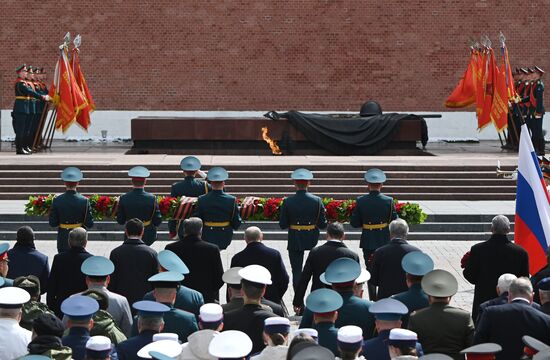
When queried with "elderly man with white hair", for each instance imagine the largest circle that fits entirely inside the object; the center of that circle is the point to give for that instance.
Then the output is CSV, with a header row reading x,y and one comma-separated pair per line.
x,y
503,285
386,271
492,258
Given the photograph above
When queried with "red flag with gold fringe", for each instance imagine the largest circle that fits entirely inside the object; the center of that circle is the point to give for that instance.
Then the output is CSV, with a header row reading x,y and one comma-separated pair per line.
x,y
83,118
465,92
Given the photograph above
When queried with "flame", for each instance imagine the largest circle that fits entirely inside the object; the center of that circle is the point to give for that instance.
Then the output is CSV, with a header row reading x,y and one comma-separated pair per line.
x,y
275,149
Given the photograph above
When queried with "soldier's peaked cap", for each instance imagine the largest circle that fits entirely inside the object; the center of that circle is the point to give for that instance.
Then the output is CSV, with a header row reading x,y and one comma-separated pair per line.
x,y
71,174
375,176
417,263
97,266
217,174
139,172
340,271
301,174
171,262
190,163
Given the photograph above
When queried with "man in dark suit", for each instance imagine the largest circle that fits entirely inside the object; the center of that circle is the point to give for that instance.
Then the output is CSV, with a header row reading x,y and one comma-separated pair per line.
x,y
303,214
442,328
139,204
203,260
317,261
66,279
257,253
503,285
492,258
373,213
507,324
70,209
26,260
386,271
135,262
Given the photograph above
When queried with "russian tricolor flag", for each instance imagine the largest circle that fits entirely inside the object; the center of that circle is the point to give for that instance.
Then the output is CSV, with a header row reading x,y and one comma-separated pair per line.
x,y
532,228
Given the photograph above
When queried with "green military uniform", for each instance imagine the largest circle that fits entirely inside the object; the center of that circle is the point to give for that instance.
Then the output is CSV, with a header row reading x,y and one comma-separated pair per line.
x,y
218,211
23,107
34,108
40,104
141,205
31,311
327,336
538,93
324,301
104,325
303,214
70,210
189,187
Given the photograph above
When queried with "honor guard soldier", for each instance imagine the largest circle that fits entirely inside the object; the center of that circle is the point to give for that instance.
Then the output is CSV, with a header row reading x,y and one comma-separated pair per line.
x,y
218,211
532,346
341,274
4,265
324,305
40,104
486,351
13,338
149,322
230,344
139,204
303,214
22,109
538,93
189,187
80,310
34,107
70,210
373,213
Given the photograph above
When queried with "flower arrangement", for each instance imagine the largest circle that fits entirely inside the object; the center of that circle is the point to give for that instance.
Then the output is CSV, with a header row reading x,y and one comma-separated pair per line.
x,y
263,209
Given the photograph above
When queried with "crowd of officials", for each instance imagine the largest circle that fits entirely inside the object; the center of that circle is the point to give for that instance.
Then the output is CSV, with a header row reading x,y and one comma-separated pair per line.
x,y
142,304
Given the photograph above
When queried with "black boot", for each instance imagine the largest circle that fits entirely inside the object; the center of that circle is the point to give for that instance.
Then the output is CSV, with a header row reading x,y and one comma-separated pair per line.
x,y
19,150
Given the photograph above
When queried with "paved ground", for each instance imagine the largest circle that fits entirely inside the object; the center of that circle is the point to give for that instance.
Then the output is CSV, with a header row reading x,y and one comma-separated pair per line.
x,y
446,255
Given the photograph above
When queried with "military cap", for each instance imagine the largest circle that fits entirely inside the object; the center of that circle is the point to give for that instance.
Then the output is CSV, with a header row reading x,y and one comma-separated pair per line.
x,y
35,357
20,67
436,356
388,309
166,279
171,262
439,283
230,344
542,355
139,172
97,266
71,174
48,324
231,276
274,325
30,283
217,174
13,297
4,247
544,284
301,174
170,348
375,176
532,345
211,313
350,337
307,331
314,352
340,271
524,70
482,351
98,347
190,163
37,70
151,309
531,70
363,277
402,337
539,70
324,301
417,263
79,307
100,296
30,69
160,356
165,336
257,274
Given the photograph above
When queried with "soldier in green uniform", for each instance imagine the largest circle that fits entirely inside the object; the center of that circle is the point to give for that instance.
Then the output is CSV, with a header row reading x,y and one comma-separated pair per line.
x,y
4,265
70,210
176,321
34,107
373,213
324,305
104,323
40,104
34,308
538,134
139,204
190,187
218,211
22,108
303,214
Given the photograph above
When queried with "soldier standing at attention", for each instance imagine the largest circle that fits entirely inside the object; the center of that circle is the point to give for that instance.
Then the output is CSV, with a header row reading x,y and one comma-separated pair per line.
x,y
539,112
70,210
218,211
373,212
190,187
139,204
303,214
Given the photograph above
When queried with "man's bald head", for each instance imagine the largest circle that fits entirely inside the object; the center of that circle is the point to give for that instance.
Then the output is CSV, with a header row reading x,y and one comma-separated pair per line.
x,y
253,234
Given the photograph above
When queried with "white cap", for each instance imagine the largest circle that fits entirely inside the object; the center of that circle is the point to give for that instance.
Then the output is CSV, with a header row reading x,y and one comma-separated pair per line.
x,y
257,274
165,336
403,334
307,331
276,321
350,334
211,313
363,277
232,344
231,276
13,297
274,325
169,348
98,343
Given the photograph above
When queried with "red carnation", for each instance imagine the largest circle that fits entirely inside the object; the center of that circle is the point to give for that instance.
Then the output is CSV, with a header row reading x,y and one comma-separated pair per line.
x,y
464,259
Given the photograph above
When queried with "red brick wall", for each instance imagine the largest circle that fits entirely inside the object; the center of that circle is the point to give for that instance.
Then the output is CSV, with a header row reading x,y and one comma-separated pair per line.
x,y
268,54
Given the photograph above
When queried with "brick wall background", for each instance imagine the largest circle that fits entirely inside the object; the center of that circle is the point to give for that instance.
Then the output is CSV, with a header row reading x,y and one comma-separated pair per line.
x,y
268,54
